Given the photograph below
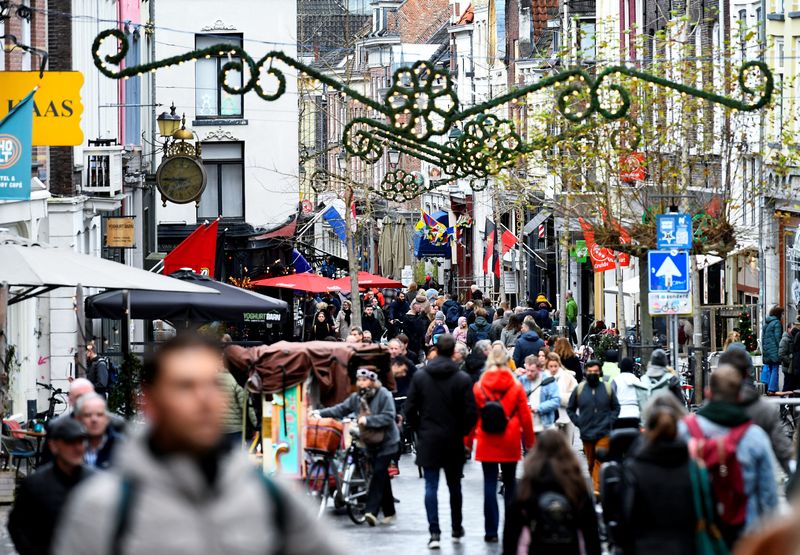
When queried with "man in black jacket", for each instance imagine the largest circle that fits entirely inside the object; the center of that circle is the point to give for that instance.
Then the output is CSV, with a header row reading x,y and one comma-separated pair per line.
x,y
42,496
441,408
415,325
370,323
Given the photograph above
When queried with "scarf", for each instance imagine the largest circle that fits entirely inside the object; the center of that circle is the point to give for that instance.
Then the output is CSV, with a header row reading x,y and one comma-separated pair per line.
x,y
347,316
724,413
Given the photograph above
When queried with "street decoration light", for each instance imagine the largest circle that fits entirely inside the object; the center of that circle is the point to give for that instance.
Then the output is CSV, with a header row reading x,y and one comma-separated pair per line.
x,y
168,123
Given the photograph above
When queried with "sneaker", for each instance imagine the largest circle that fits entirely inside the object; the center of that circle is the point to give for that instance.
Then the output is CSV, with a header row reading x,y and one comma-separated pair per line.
x,y
389,519
457,535
434,542
370,519
490,539
394,470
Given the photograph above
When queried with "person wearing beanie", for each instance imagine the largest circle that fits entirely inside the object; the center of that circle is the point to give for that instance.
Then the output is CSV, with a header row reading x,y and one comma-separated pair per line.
x,y
629,390
657,378
542,314
436,329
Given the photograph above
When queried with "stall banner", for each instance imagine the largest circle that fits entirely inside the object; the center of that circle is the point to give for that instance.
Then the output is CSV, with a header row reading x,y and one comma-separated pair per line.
x,y
288,431
57,108
15,151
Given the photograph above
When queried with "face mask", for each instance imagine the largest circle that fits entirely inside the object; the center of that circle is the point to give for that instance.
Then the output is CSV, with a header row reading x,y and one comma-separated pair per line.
x,y
593,380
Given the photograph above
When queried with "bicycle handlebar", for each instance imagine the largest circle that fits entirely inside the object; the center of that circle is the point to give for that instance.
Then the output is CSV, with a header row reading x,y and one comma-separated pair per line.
x,y
54,390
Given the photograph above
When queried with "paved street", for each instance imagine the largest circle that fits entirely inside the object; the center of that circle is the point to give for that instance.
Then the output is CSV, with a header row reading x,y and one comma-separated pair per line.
x,y
410,532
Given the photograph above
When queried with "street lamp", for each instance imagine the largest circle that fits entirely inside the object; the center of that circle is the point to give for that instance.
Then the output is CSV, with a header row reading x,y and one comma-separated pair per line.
x,y
394,157
168,123
454,133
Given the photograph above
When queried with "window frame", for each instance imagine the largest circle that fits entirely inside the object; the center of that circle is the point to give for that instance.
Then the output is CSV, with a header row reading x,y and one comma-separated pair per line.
x,y
221,60
218,165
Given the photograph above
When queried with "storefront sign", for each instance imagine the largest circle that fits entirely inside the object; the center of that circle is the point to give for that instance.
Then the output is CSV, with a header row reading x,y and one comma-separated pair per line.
x,y
15,151
120,233
57,107
261,317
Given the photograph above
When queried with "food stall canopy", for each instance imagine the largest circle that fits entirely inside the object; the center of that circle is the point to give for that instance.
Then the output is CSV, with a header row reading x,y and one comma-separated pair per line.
x,y
367,280
231,303
312,283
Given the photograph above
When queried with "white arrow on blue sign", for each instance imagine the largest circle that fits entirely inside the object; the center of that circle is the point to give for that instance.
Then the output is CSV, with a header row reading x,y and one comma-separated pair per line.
x,y
669,271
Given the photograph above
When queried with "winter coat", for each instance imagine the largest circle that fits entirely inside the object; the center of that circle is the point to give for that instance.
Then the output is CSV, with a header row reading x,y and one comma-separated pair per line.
x,y
518,518
382,410
97,373
452,312
498,326
785,352
342,327
371,324
477,331
176,508
232,420
543,320
767,417
39,502
441,409
628,389
509,338
460,335
572,311
107,451
756,461
566,385
323,330
429,333
415,326
593,410
661,518
657,378
544,398
474,364
529,343
573,364
771,339
398,309
499,384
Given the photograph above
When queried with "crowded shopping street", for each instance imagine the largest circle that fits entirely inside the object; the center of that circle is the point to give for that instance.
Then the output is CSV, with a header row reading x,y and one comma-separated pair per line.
x,y
316,277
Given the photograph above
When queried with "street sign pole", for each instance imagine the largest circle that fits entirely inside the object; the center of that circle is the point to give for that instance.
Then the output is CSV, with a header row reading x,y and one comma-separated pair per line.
x,y
674,345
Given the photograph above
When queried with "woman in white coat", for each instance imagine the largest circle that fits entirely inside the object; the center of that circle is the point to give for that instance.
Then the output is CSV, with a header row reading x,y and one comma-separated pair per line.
x,y
629,391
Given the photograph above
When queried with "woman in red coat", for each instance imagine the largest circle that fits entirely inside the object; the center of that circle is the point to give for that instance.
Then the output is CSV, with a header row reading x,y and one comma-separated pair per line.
x,y
500,451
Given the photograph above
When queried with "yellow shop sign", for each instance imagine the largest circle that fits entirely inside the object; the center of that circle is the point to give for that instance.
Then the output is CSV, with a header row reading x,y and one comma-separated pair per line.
x,y
57,107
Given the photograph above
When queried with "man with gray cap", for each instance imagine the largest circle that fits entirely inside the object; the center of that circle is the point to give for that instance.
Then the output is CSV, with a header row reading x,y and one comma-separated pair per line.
x,y
41,496
658,378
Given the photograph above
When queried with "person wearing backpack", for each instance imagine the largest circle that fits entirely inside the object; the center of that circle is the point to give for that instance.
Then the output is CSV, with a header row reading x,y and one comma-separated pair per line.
x,y
593,408
770,342
478,330
736,453
528,343
658,378
176,487
785,350
658,512
98,370
436,329
504,426
452,312
553,513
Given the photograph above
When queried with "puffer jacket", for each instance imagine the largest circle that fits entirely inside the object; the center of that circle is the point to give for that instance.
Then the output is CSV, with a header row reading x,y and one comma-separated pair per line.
x,y
785,353
500,384
771,339
382,409
529,343
175,510
477,331
232,420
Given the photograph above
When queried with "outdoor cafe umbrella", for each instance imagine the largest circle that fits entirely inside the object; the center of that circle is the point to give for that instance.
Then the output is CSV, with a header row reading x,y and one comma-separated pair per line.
x,y
401,247
367,280
230,304
306,281
385,244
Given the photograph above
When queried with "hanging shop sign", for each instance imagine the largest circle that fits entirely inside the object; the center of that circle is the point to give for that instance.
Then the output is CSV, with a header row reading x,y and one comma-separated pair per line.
x,y
120,233
15,151
631,167
57,108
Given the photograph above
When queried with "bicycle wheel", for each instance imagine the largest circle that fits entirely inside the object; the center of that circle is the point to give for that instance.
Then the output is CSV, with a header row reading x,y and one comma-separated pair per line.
x,y
317,484
354,491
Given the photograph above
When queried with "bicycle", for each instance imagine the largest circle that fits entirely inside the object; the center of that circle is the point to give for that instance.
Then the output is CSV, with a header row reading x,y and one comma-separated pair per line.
x,y
57,397
323,480
356,478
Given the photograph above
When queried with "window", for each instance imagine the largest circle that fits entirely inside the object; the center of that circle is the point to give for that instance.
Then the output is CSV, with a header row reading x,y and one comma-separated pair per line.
x,y
743,32
211,100
224,192
586,39
779,55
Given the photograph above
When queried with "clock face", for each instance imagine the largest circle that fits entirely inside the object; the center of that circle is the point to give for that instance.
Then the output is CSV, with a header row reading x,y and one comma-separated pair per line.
x,y
181,179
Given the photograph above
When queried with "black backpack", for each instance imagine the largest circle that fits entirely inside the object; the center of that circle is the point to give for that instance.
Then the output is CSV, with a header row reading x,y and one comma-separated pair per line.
x,y
553,522
493,415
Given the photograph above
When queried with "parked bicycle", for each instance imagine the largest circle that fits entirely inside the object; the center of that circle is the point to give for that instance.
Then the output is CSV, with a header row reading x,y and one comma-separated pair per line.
x,y
57,397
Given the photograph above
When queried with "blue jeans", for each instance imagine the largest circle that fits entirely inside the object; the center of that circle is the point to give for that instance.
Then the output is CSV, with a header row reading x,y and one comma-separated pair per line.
x,y
770,376
491,512
453,476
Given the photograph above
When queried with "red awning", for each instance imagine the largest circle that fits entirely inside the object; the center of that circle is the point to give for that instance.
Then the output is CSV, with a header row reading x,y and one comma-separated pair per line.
x,y
300,282
367,280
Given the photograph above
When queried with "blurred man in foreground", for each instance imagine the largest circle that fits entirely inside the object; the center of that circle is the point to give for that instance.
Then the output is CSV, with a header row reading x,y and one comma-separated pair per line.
x,y
178,488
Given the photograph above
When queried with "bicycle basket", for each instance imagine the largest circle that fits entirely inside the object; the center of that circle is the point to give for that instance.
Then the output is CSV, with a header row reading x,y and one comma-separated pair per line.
x,y
323,434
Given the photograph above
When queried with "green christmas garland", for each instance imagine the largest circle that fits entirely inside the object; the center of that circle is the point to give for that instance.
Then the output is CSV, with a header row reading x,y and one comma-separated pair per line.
x,y
421,104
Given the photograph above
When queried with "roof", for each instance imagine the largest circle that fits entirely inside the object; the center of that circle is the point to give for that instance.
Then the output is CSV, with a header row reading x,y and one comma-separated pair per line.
x,y
417,21
467,17
326,30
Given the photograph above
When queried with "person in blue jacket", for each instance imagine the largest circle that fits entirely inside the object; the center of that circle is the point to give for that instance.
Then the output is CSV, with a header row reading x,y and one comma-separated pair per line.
x,y
542,392
770,347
